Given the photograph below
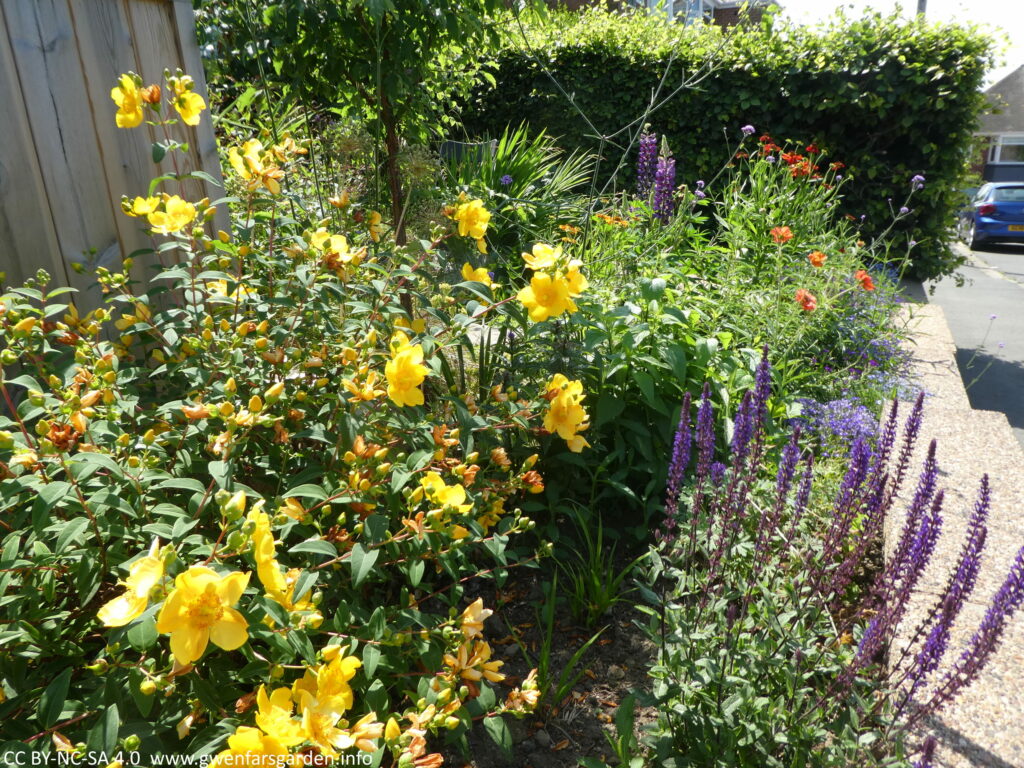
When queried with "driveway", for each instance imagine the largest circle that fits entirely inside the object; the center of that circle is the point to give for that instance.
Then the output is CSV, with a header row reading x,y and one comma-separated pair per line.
x,y
990,352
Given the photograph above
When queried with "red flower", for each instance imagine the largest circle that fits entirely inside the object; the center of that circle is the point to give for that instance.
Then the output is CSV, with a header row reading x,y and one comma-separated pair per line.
x,y
812,149
765,139
807,300
837,166
817,258
792,157
781,234
865,280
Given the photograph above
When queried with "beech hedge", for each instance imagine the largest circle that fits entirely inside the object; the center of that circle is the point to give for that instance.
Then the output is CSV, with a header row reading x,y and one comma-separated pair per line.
x,y
889,98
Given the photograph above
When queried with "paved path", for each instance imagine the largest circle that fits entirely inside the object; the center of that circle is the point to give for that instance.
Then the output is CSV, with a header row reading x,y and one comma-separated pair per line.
x,y
993,375
983,728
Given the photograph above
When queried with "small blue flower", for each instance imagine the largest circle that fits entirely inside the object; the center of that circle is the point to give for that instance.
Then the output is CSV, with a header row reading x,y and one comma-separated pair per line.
x,y
748,130
506,180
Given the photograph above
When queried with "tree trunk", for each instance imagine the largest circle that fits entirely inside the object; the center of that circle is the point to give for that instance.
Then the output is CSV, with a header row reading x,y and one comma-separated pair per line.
x,y
391,144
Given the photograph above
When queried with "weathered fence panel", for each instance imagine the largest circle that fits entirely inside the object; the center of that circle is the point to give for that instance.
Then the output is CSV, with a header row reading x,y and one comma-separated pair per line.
x,y
64,164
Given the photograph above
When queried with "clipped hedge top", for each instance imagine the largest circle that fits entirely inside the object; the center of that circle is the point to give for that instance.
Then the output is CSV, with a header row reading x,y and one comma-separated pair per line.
x,y
887,97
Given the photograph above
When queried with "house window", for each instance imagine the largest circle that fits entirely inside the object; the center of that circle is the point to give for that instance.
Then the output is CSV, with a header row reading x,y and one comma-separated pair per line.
x,y
1008,149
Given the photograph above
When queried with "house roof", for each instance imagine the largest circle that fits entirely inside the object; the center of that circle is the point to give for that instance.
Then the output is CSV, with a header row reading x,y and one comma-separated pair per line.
x,y
1008,96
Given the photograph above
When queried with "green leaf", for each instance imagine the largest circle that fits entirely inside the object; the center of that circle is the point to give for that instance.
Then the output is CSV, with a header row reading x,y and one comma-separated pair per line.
x,y
51,703
499,733
142,634
316,547
70,533
308,491
103,736
362,562
371,658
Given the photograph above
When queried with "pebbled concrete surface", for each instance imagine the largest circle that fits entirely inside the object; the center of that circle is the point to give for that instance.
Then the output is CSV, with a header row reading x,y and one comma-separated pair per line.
x,y
985,725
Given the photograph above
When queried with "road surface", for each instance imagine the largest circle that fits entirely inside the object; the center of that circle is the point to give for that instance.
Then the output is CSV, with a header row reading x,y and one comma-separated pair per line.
x,y
990,352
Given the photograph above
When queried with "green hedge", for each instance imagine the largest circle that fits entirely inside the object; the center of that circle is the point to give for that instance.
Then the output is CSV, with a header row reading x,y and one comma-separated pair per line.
x,y
887,97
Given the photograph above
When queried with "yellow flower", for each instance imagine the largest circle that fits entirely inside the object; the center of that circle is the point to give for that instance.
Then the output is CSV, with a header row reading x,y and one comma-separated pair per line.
x,y
566,415
293,509
140,206
199,611
176,215
333,693
365,391
250,166
473,219
128,97
275,716
478,275
577,282
361,734
254,744
546,296
144,574
445,496
419,325
189,105
543,256
320,727
473,618
405,372
474,664
373,221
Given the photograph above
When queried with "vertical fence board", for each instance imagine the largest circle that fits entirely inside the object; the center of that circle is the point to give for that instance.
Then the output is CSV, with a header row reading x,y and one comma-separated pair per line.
x,y
64,164
59,114
26,223
106,50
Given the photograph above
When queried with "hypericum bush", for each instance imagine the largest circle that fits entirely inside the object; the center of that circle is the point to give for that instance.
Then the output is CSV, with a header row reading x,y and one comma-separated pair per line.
x,y
243,498
774,644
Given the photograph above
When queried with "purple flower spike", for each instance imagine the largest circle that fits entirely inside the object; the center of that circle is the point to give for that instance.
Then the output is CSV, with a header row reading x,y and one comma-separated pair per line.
x,y
664,188
927,754
680,458
986,640
646,164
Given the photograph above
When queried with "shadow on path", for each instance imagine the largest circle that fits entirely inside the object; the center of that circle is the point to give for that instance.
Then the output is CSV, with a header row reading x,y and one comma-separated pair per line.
x,y
993,383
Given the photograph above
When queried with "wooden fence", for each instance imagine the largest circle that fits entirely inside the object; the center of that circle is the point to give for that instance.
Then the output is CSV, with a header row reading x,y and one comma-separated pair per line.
x,y
64,164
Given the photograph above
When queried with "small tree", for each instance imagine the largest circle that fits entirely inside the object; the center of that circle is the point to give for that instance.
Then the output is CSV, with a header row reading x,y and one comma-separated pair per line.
x,y
397,62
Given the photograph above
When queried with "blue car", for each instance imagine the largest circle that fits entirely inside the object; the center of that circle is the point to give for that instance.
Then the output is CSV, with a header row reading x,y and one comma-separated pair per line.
x,y
996,214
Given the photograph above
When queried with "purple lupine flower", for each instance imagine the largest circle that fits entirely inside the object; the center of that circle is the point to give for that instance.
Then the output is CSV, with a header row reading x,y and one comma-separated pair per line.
x,y
743,426
917,182
957,590
664,188
646,164
927,754
762,389
506,180
748,130
986,639
677,467
717,474
783,483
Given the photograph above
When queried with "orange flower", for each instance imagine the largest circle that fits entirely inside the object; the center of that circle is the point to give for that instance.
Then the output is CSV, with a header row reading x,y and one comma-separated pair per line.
x,y
865,280
817,258
781,234
807,300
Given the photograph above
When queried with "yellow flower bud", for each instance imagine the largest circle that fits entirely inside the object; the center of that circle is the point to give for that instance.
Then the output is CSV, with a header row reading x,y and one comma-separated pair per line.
x,y
529,463
230,386
392,731
149,437
301,396
255,404
24,327
147,687
262,343
223,236
275,391
226,409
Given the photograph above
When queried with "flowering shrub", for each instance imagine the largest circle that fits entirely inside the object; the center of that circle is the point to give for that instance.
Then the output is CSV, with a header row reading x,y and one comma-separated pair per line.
x,y
250,490
772,646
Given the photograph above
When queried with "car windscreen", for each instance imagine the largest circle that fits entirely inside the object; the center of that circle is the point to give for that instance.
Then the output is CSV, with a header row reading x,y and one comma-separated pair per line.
x,y
1008,195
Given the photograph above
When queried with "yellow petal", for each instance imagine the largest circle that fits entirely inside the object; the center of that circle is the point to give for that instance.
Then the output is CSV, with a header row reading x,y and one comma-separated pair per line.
x,y
122,610
231,631
188,644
